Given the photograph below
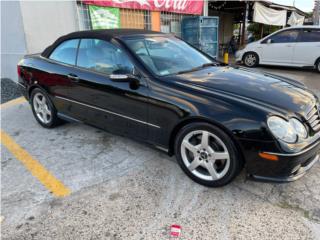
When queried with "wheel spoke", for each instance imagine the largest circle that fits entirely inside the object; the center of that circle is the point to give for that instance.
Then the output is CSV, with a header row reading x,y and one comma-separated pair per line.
x,y
212,171
189,146
43,100
41,116
47,111
220,155
205,140
38,101
194,164
46,118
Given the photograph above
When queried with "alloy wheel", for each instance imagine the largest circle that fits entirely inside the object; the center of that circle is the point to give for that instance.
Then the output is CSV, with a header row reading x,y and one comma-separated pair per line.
x,y
205,155
41,108
250,60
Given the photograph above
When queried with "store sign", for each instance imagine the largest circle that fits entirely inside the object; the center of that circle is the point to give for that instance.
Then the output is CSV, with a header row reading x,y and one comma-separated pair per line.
x,y
104,17
177,6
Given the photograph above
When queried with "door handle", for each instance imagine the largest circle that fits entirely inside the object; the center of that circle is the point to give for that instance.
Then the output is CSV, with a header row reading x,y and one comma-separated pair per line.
x,y
73,77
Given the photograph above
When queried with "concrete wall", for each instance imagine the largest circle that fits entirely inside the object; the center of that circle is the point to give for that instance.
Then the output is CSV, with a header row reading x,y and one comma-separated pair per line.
x,y
13,45
45,21
31,26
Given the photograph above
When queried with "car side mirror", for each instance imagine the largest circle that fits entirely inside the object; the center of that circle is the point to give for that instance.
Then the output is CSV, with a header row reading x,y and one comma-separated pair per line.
x,y
269,41
133,81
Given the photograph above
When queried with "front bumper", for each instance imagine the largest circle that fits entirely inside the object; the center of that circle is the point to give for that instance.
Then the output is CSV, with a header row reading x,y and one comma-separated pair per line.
x,y
300,172
289,166
239,55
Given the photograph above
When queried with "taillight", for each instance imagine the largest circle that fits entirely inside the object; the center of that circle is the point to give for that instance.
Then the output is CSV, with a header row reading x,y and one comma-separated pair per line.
x,y
19,70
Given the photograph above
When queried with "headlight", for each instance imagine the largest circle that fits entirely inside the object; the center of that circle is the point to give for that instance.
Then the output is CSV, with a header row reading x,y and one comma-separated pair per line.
x,y
288,131
299,127
282,129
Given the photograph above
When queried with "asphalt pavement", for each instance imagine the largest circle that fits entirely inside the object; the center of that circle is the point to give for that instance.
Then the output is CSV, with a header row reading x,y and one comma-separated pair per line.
x,y
78,182
9,90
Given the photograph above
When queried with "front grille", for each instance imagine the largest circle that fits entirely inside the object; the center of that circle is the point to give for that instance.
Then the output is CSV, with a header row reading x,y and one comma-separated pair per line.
x,y
313,118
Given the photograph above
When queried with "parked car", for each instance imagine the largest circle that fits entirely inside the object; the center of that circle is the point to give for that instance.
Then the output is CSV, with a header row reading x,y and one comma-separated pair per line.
x,y
158,89
293,46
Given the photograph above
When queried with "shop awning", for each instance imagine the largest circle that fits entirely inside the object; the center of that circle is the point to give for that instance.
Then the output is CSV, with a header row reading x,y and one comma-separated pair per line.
x,y
295,19
269,16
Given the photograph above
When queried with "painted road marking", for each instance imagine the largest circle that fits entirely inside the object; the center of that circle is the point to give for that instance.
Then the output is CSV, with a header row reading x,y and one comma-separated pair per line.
x,y
36,169
13,102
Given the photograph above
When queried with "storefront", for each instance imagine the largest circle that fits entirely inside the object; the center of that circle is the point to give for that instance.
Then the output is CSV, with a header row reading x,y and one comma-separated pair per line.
x,y
157,15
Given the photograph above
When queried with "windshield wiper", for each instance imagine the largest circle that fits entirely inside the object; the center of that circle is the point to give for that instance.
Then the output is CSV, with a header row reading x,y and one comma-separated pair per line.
x,y
199,67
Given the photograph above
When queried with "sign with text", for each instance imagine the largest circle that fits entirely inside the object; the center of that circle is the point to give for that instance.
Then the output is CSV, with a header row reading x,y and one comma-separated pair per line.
x,y
177,6
104,17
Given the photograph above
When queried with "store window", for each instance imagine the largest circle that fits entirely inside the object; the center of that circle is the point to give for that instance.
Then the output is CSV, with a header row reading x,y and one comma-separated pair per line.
x,y
171,22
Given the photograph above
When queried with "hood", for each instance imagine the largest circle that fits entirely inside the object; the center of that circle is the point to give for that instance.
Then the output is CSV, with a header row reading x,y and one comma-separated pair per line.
x,y
272,90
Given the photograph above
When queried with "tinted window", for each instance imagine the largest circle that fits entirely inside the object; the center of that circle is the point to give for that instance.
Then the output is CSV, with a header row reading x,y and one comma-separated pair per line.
x,y
101,56
285,36
166,55
310,35
66,52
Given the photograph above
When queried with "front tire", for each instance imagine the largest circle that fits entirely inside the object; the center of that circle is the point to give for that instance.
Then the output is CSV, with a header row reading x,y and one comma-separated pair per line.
x,y
251,59
43,109
207,154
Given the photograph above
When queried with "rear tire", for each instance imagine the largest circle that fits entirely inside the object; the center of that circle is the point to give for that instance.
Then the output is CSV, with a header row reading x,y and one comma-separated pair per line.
x,y
251,59
207,154
43,109
317,65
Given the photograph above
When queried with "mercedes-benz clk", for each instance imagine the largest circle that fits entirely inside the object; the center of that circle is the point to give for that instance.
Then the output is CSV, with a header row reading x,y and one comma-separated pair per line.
x,y
153,87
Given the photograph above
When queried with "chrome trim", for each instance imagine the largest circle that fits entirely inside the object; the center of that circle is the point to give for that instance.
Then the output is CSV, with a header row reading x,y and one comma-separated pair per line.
x,y
294,154
21,85
162,148
107,111
310,165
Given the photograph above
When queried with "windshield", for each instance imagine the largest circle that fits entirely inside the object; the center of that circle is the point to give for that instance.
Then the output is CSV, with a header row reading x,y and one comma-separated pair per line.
x,y
167,55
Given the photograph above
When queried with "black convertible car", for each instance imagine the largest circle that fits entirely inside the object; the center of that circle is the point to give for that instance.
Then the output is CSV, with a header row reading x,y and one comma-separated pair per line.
x,y
156,88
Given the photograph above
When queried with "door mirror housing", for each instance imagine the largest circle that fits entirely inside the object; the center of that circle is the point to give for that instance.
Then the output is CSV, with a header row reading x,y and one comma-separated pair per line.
x,y
269,41
123,75
125,78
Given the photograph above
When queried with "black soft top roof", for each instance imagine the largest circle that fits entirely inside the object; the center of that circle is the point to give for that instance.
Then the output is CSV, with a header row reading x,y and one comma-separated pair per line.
x,y
105,34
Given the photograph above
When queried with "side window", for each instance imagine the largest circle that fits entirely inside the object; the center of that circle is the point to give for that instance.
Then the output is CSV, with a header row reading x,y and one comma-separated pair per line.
x,y
104,57
66,52
310,35
288,36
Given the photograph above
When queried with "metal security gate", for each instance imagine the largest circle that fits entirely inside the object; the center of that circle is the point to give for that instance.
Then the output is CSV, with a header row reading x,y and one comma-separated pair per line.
x,y
129,18
171,22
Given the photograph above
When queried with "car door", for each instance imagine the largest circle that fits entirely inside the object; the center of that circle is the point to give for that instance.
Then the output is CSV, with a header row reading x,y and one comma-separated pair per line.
x,y
278,49
307,49
59,64
114,104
